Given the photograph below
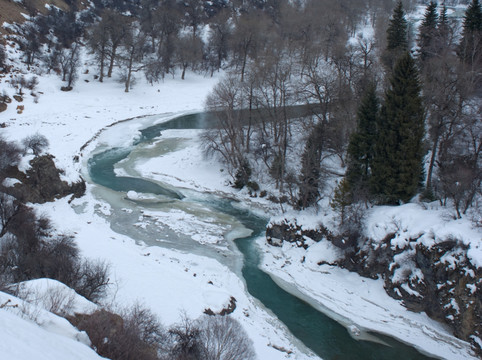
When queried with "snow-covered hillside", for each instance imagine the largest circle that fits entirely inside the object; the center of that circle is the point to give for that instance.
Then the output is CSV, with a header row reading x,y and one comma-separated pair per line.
x,y
29,331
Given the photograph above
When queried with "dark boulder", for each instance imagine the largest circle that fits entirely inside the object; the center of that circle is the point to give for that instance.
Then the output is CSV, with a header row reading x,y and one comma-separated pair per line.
x,y
41,183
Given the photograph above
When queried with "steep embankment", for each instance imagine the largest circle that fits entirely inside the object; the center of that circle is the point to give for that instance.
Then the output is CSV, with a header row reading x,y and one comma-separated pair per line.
x,y
427,261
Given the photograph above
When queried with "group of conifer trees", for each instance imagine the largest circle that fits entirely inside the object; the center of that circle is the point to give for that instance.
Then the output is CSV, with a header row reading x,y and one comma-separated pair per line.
x,y
386,153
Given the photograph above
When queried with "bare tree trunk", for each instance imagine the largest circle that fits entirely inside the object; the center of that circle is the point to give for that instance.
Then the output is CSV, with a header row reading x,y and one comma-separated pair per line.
x,y
432,163
129,73
102,60
112,59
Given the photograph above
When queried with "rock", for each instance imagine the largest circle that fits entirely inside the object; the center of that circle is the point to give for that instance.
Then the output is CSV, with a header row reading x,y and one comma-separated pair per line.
x,y
41,183
438,279
3,107
290,231
226,311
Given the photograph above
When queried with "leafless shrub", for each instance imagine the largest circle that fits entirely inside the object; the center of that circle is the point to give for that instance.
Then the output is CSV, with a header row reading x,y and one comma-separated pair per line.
x,y
10,154
29,249
27,309
223,338
59,301
210,338
185,340
36,142
21,82
92,279
136,334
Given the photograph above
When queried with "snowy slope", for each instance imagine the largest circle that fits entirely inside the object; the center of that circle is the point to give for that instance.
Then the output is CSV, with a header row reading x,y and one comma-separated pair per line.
x,y
30,332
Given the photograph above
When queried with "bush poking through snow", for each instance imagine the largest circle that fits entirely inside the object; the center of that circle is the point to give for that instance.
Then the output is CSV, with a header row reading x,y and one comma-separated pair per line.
x,y
29,249
21,82
10,154
92,279
222,337
36,142
135,334
209,338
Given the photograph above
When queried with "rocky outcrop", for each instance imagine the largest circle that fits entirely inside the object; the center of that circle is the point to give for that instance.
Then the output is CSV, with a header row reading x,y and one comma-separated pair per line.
x,y
290,231
41,183
225,311
434,276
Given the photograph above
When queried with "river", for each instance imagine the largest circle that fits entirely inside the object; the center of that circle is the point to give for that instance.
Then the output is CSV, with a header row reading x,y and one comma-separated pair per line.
x,y
324,336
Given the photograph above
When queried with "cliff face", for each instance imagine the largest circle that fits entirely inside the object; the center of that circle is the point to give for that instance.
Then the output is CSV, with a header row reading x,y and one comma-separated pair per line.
x,y
41,183
434,276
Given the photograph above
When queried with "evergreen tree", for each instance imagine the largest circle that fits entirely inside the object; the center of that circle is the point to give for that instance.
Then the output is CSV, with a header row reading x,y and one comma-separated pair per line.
x,y
397,163
428,31
443,31
469,49
397,36
360,148
342,199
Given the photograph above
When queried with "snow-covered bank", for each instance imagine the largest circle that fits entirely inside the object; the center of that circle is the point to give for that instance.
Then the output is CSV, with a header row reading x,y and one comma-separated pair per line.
x,y
28,331
359,303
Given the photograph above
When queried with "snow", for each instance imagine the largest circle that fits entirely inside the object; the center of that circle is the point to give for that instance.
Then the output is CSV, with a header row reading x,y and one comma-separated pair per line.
x,y
53,296
361,302
29,332
427,225
170,282
10,182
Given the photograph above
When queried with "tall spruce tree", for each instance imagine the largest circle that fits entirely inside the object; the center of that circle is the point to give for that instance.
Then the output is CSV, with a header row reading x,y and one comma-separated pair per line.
x,y
397,36
470,44
428,31
397,162
361,146
443,41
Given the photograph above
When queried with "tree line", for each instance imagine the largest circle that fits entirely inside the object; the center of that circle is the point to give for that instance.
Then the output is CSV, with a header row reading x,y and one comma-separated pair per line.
x,y
401,113
399,127
391,157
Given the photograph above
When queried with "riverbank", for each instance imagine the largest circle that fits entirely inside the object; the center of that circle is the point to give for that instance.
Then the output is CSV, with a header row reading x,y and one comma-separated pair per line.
x,y
168,281
172,283
359,303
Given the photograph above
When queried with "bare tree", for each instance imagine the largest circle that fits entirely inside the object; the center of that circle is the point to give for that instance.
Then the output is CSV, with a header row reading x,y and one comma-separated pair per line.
x,y
29,42
460,164
98,42
248,37
219,39
69,61
223,338
185,337
228,139
118,27
133,46
194,14
189,51
36,142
